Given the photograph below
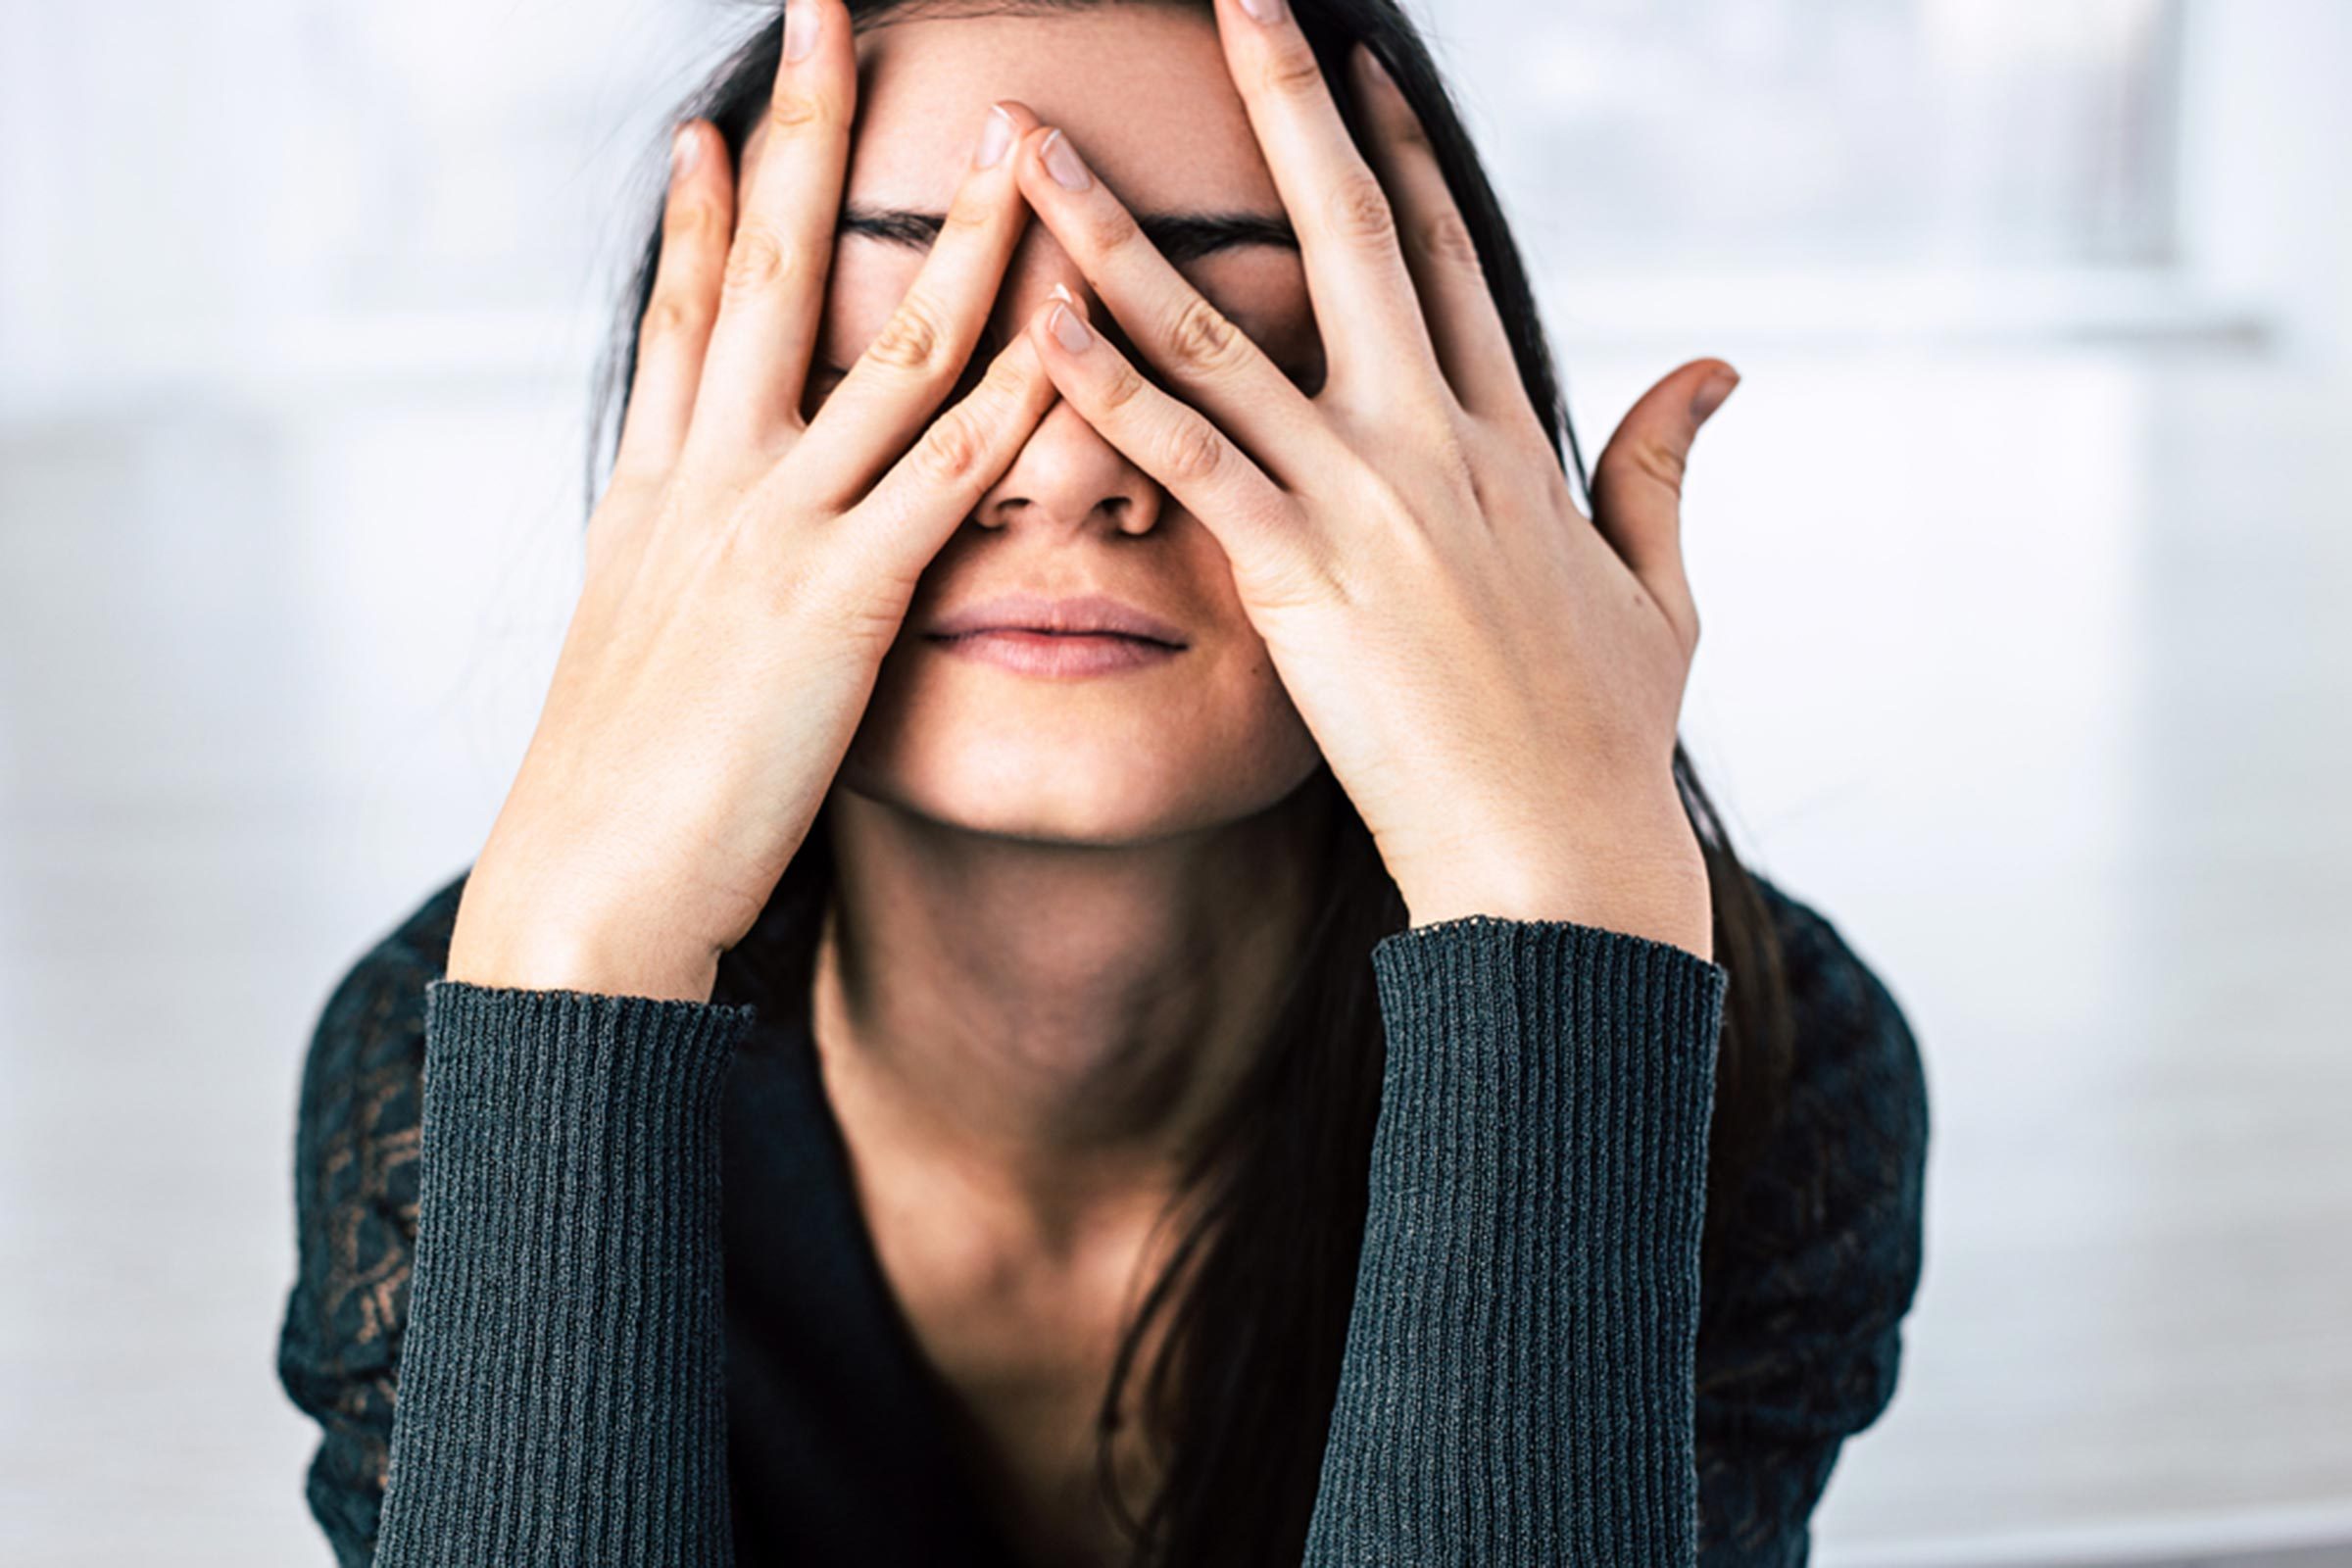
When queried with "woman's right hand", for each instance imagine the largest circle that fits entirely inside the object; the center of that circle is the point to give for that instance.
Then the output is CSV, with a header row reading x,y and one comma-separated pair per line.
x,y
747,568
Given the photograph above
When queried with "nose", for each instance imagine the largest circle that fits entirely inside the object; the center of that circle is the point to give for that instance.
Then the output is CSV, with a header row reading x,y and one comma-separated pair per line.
x,y
1066,478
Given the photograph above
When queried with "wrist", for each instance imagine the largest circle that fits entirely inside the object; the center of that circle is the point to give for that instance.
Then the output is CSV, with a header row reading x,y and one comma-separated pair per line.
x,y
1646,879
517,952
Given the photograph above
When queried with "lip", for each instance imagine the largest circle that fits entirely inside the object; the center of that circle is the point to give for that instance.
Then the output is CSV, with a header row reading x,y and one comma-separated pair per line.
x,y
1073,617
1059,653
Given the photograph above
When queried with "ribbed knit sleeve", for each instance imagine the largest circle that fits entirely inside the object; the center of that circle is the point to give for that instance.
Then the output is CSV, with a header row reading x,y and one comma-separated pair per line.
x,y
1517,1384
561,1386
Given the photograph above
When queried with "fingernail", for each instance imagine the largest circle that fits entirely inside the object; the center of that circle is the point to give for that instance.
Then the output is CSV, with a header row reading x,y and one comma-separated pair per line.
x,y
1070,331
994,136
1711,393
1263,10
1063,163
685,151
799,29
1058,292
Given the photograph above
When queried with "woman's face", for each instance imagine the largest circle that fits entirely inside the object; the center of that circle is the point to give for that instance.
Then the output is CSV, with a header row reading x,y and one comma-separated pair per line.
x,y
1193,741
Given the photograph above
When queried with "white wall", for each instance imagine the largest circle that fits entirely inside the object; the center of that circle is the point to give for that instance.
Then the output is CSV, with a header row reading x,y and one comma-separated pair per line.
x,y
2266,196
256,193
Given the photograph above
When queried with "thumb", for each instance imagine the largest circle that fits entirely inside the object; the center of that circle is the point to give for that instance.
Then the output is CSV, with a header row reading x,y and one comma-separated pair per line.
x,y
1638,483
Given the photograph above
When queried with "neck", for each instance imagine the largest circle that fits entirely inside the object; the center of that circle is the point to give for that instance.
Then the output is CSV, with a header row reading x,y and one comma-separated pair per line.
x,y
1049,1028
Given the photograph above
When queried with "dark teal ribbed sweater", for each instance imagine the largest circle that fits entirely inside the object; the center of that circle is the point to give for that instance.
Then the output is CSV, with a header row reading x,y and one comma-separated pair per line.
x,y
1521,1376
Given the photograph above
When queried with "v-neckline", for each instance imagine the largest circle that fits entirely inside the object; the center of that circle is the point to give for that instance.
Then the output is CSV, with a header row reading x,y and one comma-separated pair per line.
x,y
789,1194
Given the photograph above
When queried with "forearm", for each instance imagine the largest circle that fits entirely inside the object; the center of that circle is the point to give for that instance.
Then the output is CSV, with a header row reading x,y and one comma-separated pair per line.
x,y
1518,1380
562,1395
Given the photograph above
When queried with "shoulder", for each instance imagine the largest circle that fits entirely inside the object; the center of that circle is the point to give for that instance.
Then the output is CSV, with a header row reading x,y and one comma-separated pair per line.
x,y
355,1147
1828,1222
1857,1083
356,1128
1826,1251
362,1085
1800,1335
363,1073
414,950
370,1034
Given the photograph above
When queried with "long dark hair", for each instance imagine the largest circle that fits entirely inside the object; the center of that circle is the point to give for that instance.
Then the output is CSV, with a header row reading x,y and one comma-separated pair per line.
x,y
1259,1285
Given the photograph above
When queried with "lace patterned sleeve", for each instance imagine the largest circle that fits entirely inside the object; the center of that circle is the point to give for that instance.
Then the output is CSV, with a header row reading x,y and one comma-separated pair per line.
x,y
355,1205
1803,1351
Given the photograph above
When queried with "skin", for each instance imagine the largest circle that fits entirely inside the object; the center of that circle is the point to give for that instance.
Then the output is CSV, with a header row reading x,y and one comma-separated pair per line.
x,y
1065,907
1065,903
1066,899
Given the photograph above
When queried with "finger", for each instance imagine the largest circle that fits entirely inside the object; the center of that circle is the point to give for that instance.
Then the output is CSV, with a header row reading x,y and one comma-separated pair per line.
x,y
1213,362
1638,484
929,492
774,287
671,338
1355,271
1464,325
915,360
1260,528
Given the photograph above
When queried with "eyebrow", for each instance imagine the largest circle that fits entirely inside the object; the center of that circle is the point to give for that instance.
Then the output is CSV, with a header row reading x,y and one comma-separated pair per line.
x,y
1178,236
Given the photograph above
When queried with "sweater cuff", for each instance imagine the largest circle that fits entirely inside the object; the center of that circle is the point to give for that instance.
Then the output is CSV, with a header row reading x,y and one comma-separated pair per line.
x,y
561,1385
1518,1383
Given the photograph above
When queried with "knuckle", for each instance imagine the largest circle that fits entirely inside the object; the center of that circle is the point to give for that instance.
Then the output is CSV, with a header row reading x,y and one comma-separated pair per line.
x,y
1658,461
756,261
996,392
913,338
1359,210
632,487
989,392
965,218
1203,339
1405,124
1309,574
696,224
1124,385
1108,228
1449,453
669,317
1292,70
792,112
832,591
952,449
1447,238
1193,451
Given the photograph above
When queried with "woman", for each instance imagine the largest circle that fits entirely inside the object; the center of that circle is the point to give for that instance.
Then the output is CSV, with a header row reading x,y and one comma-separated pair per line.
x,y
1101,790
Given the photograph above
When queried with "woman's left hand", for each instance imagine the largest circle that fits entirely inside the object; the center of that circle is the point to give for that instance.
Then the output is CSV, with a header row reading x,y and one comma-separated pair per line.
x,y
1494,680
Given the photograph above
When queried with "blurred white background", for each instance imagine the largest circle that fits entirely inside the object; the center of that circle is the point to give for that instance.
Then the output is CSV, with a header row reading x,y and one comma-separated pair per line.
x,y
2025,555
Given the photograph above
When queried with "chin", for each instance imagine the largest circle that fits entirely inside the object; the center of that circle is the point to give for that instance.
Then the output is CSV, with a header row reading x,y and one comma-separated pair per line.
x,y
1099,791
1105,798
1082,762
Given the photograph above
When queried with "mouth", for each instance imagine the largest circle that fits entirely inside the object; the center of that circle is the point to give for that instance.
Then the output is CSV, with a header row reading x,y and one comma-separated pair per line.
x,y
1030,652
1052,634
1080,617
